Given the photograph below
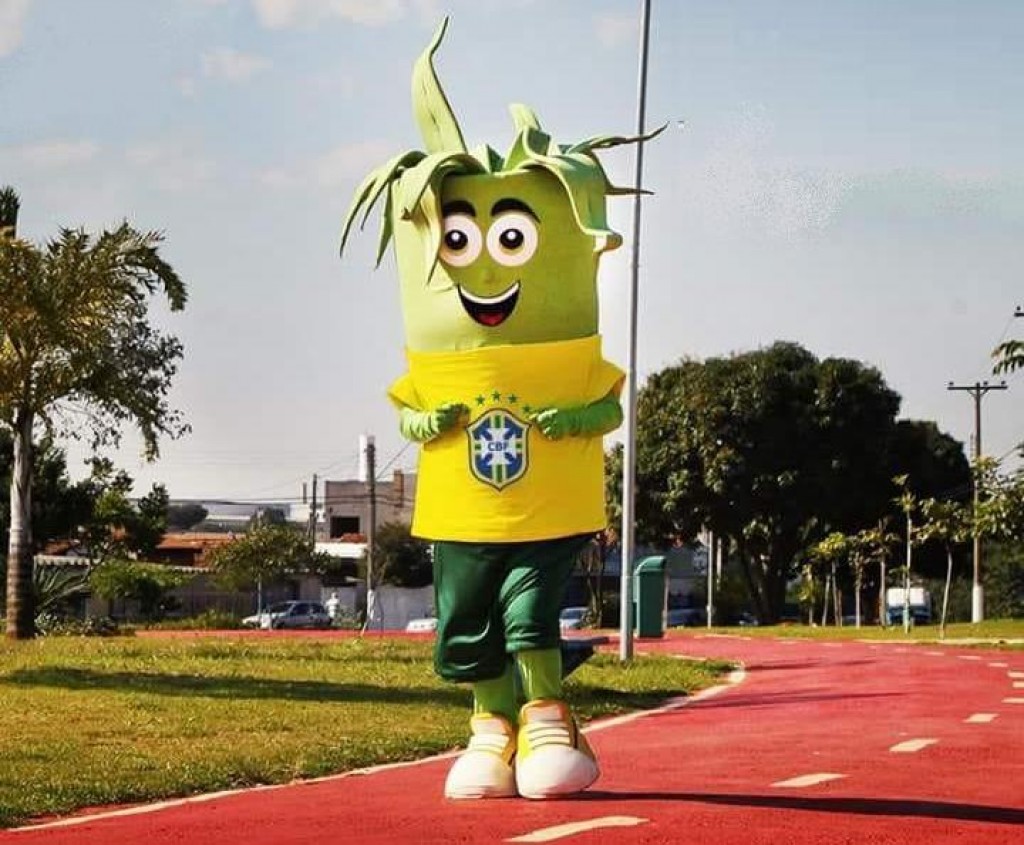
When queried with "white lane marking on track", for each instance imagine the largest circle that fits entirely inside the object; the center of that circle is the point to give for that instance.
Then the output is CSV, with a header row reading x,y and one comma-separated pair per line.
x,y
832,645
980,718
912,745
1015,674
1013,701
807,780
968,657
936,653
734,677
998,665
549,834
1018,684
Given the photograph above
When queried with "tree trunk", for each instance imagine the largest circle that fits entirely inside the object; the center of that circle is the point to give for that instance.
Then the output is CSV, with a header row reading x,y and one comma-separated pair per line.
x,y
883,610
945,592
20,612
858,583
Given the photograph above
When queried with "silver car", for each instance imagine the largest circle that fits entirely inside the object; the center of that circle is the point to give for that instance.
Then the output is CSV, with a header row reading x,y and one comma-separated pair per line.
x,y
290,614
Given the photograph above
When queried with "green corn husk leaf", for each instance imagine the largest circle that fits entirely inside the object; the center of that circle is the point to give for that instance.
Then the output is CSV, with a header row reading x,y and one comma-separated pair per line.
x,y
416,180
583,182
523,117
386,223
433,112
369,190
606,142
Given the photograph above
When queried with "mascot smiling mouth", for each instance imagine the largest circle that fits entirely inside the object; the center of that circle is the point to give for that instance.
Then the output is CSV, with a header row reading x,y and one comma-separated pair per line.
x,y
490,310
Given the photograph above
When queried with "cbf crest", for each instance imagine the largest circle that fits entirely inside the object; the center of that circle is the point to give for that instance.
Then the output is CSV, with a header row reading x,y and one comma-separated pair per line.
x,y
498,448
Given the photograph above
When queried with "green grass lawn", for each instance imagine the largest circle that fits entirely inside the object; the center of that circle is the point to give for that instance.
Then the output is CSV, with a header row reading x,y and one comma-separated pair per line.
x,y
1000,633
101,721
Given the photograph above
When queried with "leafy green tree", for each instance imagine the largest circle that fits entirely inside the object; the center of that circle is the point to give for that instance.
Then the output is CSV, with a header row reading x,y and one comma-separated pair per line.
x,y
77,347
264,555
877,543
146,583
772,449
399,558
1004,581
185,516
1008,356
948,523
58,508
119,528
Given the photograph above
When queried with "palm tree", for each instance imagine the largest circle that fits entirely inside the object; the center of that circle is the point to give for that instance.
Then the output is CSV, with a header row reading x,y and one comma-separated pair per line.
x,y
76,347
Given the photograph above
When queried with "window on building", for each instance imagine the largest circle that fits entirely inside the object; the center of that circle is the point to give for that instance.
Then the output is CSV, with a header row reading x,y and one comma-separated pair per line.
x,y
341,525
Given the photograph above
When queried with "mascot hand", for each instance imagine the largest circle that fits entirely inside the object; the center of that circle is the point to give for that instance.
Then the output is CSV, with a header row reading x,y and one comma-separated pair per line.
x,y
556,423
589,421
422,426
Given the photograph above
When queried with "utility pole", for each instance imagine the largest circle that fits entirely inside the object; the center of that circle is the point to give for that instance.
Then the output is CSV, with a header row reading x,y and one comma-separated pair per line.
x,y
978,391
371,531
312,511
629,431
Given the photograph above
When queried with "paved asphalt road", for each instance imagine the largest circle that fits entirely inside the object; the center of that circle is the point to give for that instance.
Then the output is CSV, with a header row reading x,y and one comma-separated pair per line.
x,y
817,742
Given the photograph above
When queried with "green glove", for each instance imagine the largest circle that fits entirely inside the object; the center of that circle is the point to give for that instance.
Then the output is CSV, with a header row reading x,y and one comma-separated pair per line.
x,y
591,420
421,426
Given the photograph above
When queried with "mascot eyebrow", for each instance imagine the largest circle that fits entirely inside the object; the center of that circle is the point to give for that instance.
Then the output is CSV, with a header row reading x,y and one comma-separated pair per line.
x,y
500,207
410,183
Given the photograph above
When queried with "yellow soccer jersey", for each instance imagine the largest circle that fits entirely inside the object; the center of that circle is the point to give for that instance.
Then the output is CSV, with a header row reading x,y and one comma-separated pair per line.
x,y
497,478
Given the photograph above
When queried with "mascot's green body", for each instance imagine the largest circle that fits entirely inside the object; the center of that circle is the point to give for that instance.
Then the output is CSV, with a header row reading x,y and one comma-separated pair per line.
x,y
509,395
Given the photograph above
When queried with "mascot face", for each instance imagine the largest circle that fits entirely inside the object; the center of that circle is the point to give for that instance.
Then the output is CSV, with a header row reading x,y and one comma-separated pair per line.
x,y
492,249
512,266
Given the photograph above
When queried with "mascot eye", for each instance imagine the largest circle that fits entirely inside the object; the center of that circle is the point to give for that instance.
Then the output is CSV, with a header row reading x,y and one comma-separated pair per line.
x,y
512,239
461,242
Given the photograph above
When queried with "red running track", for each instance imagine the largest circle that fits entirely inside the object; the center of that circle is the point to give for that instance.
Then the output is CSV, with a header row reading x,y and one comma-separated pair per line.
x,y
924,745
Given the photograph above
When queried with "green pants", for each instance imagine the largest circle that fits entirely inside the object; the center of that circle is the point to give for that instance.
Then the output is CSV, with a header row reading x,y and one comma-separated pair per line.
x,y
494,599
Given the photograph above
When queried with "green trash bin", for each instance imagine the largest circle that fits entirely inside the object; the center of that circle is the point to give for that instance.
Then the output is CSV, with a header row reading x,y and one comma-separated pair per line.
x,y
649,597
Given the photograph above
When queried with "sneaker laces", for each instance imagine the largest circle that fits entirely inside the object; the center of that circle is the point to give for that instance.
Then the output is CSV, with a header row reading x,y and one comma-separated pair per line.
x,y
542,732
489,737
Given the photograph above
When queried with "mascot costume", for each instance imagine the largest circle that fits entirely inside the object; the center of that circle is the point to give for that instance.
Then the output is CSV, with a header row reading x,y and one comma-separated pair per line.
x,y
509,396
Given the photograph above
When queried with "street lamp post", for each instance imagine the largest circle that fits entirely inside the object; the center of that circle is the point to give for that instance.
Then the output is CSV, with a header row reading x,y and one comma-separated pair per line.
x,y
629,445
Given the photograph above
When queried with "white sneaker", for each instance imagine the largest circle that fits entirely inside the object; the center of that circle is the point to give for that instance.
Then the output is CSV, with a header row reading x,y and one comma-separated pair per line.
x,y
484,769
553,757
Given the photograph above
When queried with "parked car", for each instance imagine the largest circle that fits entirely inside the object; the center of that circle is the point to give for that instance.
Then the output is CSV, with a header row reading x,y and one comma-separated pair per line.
x,y
683,616
290,614
572,618
425,625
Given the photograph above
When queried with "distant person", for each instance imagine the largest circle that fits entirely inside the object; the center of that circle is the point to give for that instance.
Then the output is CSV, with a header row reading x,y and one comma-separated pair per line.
x,y
332,606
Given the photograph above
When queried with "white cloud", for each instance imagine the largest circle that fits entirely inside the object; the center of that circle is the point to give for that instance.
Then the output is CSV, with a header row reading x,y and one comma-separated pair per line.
x,y
285,14
338,167
55,154
13,14
232,65
615,29
187,85
170,166
350,162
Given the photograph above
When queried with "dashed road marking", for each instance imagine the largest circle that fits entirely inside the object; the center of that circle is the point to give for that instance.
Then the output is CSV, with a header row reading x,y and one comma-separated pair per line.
x,y
912,745
969,657
1013,701
1018,684
980,718
550,834
998,665
936,653
832,645
807,780
1015,674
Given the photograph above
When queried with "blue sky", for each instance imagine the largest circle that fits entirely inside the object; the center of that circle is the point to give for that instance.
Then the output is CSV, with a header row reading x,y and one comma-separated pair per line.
x,y
850,176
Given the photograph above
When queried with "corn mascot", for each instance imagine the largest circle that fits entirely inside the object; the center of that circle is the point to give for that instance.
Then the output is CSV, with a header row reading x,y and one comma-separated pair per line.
x,y
509,396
